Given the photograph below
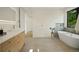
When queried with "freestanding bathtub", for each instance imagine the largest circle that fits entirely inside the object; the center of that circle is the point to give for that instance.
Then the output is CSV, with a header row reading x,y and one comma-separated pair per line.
x,y
70,39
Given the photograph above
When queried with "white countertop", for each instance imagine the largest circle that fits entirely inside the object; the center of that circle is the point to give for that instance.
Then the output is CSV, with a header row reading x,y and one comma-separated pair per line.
x,y
10,35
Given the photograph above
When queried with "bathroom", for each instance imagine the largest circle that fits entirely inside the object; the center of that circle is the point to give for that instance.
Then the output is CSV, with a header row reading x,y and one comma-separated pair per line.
x,y
41,21
39,29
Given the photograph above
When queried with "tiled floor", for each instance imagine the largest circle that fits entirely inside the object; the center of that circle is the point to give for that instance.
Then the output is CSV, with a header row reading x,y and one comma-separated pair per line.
x,y
46,45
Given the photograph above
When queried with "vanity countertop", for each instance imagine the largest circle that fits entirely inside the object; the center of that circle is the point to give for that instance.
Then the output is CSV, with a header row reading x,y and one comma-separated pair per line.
x,y
10,35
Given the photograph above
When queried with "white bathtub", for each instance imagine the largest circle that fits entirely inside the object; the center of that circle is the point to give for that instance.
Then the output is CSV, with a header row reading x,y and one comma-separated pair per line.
x,y
70,39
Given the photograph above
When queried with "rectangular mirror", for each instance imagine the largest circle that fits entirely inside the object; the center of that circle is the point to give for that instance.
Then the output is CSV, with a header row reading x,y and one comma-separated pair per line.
x,y
7,14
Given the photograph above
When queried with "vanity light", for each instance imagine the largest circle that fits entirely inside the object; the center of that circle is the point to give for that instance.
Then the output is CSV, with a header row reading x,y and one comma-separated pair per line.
x,y
7,22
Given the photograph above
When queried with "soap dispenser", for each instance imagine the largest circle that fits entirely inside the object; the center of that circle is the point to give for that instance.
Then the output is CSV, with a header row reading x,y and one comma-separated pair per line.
x,y
1,31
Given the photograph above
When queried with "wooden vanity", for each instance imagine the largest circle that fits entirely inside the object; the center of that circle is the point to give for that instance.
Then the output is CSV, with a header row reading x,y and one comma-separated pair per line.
x,y
12,24
12,43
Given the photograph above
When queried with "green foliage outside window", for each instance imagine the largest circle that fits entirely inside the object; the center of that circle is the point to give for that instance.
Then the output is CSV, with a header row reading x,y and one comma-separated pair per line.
x,y
71,18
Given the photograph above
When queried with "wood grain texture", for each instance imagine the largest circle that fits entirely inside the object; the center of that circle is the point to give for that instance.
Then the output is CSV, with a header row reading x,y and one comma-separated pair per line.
x,y
29,34
14,44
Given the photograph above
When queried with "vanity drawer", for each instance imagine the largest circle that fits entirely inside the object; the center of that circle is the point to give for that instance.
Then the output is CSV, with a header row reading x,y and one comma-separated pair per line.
x,y
13,44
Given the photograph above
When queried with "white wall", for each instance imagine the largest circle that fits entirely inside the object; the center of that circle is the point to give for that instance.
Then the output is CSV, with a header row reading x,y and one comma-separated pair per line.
x,y
44,18
28,24
22,18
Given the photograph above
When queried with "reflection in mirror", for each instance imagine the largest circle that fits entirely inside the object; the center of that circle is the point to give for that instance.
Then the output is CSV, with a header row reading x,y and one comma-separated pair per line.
x,y
7,19
7,14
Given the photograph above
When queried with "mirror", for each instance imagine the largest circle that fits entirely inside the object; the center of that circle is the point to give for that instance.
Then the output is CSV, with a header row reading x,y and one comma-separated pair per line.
x,y
9,18
7,14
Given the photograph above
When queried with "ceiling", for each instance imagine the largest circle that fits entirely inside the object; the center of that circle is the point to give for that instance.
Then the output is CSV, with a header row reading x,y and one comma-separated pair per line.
x,y
39,11
34,10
